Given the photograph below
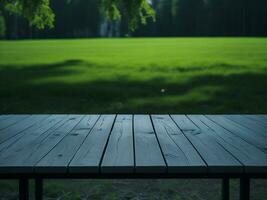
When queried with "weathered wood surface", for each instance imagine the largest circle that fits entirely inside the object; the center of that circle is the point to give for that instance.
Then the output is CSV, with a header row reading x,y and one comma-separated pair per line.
x,y
202,138
89,156
119,154
133,144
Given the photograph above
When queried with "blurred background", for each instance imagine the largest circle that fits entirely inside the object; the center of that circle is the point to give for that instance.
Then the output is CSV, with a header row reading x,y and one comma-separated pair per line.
x,y
83,19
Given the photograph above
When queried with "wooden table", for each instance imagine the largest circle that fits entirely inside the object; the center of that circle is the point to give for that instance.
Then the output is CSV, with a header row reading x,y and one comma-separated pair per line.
x,y
133,146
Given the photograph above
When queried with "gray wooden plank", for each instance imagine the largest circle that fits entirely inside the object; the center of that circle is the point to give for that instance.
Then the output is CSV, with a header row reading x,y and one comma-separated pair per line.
x,y
11,120
43,144
180,155
253,159
259,123
119,154
148,156
88,157
218,159
57,160
248,123
3,117
254,118
16,152
28,132
19,127
246,134
258,118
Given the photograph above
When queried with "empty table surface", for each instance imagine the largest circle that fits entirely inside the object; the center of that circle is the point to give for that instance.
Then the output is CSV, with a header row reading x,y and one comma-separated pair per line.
x,y
133,144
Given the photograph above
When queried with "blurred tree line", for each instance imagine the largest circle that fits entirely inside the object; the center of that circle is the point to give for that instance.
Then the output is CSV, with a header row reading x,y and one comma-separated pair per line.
x,y
82,18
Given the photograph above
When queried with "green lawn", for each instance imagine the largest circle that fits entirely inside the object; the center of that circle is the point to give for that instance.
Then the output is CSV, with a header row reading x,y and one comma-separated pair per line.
x,y
197,75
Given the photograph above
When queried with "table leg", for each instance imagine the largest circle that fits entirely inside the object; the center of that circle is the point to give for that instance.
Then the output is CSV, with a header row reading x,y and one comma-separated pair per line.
x,y
244,188
23,189
38,189
225,189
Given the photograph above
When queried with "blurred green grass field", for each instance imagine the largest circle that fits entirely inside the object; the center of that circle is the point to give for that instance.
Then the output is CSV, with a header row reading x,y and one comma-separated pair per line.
x,y
175,75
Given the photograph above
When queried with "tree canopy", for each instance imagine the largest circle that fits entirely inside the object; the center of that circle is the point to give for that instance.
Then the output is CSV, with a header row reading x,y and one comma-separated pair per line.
x,y
39,13
85,19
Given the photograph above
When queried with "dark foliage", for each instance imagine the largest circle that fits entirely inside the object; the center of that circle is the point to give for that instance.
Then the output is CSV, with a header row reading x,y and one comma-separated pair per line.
x,y
83,18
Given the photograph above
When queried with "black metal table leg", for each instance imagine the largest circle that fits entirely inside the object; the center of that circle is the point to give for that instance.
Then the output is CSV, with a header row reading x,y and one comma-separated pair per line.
x,y
23,189
244,188
225,189
38,189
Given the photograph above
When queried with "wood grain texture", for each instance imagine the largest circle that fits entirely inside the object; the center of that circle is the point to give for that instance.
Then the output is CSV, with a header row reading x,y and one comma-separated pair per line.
x,y
262,119
248,123
180,155
45,142
133,144
9,120
18,150
218,159
57,160
119,154
257,119
88,157
148,156
3,117
246,134
20,126
253,159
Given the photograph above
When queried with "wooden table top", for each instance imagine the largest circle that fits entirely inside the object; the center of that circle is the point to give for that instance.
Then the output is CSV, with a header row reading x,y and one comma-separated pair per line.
x,y
133,144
